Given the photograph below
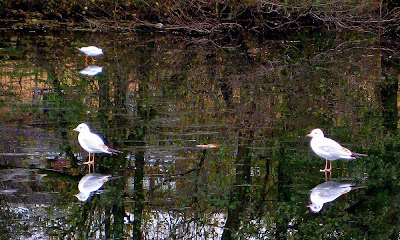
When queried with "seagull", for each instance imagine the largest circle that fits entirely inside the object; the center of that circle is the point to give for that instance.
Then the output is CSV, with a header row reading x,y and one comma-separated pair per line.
x,y
91,51
92,143
91,70
329,149
327,192
89,183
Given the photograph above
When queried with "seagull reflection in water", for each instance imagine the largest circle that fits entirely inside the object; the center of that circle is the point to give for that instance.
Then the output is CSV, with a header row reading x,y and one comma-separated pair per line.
x,y
90,183
327,192
91,70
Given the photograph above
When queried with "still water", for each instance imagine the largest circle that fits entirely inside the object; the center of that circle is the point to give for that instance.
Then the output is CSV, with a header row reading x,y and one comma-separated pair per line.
x,y
213,138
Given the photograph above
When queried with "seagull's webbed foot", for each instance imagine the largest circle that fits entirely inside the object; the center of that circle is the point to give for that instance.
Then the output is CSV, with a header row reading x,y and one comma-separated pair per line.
x,y
326,169
90,159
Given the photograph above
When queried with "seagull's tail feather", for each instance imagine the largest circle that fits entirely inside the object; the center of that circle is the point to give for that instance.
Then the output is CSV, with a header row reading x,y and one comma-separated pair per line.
x,y
357,187
113,151
358,155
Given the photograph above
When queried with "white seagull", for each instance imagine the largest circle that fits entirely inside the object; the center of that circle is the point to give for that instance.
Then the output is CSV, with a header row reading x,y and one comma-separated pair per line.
x,y
91,70
89,183
92,143
91,51
329,149
327,192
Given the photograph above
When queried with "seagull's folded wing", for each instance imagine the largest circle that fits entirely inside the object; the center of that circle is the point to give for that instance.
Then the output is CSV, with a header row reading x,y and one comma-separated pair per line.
x,y
335,150
94,142
92,182
332,147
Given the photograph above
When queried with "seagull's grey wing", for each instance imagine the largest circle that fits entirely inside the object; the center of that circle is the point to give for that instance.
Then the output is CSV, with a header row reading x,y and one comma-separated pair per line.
x,y
337,152
330,149
93,185
95,180
92,182
327,196
330,146
94,142
332,194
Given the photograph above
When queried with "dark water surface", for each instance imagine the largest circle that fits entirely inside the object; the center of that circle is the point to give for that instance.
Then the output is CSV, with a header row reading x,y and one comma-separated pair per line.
x,y
161,100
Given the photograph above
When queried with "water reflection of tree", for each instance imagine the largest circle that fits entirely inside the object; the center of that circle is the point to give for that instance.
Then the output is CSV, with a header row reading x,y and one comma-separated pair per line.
x,y
145,114
239,197
269,104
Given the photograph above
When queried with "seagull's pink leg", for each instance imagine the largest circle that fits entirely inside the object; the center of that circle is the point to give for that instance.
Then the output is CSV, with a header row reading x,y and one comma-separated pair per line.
x,y
86,59
93,161
330,168
326,167
89,163
328,175
88,160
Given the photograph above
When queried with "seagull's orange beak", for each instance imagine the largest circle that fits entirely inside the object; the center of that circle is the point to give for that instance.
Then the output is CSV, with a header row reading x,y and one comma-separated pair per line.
x,y
75,129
